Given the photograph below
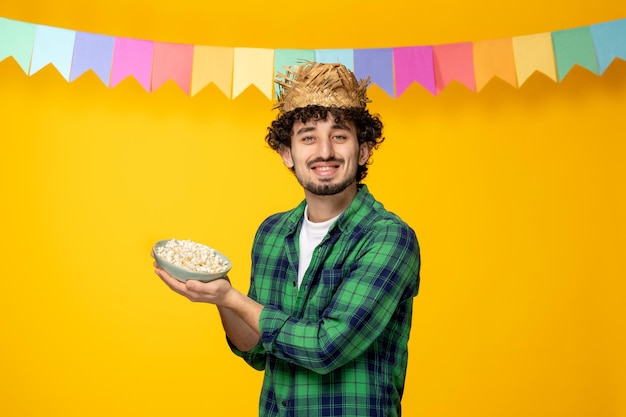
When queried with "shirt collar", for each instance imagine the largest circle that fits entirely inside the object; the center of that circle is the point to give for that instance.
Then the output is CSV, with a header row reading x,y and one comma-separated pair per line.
x,y
357,210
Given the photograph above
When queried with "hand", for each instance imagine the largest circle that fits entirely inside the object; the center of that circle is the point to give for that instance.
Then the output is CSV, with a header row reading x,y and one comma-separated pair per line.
x,y
213,292
240,314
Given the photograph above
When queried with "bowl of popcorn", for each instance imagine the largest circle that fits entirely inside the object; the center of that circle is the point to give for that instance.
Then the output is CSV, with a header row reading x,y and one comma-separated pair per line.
x,y
186,259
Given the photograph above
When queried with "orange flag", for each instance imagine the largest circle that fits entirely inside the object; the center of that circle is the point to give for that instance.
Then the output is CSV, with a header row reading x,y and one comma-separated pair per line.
x,y
494,59
212,64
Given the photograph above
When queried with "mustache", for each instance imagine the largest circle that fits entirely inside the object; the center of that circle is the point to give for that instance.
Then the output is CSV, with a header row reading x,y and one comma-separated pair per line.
x,y
316,160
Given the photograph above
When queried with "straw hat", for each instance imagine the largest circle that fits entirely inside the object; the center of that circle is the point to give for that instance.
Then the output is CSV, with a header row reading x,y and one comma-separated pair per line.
x,y
314,83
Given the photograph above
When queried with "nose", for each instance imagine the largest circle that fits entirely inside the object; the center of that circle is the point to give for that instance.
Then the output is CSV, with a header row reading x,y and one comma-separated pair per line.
x,y
325,148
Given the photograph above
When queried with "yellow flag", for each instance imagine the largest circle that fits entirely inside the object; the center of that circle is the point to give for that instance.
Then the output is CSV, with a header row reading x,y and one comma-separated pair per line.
x,y
534,53
212,64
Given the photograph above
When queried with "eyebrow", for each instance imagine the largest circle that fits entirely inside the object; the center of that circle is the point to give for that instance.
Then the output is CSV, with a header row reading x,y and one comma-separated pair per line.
x,y
306,129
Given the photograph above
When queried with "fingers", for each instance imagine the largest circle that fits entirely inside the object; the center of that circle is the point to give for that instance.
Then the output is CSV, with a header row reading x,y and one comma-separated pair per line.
x,y
189,289
169,280
194,290
192,285
198,291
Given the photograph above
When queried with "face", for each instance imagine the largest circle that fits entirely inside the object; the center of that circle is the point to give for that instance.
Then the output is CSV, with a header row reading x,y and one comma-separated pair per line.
x,y
325,155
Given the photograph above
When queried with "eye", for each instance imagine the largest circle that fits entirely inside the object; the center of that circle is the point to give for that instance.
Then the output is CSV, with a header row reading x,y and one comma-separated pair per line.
x,y
339,138
307,139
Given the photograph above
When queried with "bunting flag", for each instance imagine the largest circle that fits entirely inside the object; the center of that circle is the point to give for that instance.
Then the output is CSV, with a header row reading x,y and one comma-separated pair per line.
x,y
341,56
494,59
17,40
609,42
533,53
253,67
571,47
233,70
173,62
132,57
414,64
53,46
92,52
376,64
454,62
212,64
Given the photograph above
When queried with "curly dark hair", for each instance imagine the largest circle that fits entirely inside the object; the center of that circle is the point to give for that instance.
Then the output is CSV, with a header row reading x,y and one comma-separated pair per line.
x,y
369,127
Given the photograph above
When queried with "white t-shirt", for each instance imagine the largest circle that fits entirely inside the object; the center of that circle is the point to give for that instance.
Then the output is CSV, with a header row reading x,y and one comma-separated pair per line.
x,y
311,234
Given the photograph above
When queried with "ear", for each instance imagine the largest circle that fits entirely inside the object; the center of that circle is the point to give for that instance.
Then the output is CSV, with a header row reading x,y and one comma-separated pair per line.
x,y
365,151
285,153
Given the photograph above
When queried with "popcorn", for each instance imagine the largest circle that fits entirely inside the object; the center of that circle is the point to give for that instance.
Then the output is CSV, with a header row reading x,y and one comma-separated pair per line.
x,y
192,256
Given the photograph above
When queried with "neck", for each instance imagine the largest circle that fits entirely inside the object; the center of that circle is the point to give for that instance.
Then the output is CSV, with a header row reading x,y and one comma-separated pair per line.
x,y
325,207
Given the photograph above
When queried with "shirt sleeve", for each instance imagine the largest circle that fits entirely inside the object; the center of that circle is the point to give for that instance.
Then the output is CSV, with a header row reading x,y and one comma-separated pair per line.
x,y
255,357
385,274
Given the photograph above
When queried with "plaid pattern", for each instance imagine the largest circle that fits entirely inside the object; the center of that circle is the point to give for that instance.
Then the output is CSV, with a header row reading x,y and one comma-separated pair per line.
x,y
337,346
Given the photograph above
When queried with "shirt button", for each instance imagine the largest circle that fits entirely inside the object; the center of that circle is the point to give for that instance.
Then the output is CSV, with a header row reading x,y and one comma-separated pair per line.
x,y
284,403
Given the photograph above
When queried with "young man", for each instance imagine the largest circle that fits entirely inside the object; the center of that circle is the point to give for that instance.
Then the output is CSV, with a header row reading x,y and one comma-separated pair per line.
x,y
328,312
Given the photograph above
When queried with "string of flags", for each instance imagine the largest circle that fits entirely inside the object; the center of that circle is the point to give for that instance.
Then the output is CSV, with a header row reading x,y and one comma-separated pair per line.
x,y
234,69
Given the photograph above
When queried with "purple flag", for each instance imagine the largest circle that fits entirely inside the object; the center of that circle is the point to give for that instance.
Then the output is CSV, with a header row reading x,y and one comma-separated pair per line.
x,y
92,52
377,64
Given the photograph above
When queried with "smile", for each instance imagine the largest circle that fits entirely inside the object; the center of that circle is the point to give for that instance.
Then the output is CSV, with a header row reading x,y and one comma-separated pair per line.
x,y
325,171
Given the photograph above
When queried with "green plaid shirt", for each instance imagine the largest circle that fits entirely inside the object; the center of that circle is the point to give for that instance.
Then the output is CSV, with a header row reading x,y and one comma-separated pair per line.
x,y
336,346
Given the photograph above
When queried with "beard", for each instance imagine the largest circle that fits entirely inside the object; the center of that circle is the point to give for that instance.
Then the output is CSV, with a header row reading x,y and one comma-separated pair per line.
x,y
326,187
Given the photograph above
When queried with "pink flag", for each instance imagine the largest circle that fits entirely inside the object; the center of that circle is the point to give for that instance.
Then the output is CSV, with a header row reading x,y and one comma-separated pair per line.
x,y
132,57
172,62
454,62
414,63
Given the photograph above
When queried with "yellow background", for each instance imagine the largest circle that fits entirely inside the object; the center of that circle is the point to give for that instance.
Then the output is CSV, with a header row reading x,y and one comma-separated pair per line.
x,y
517,196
